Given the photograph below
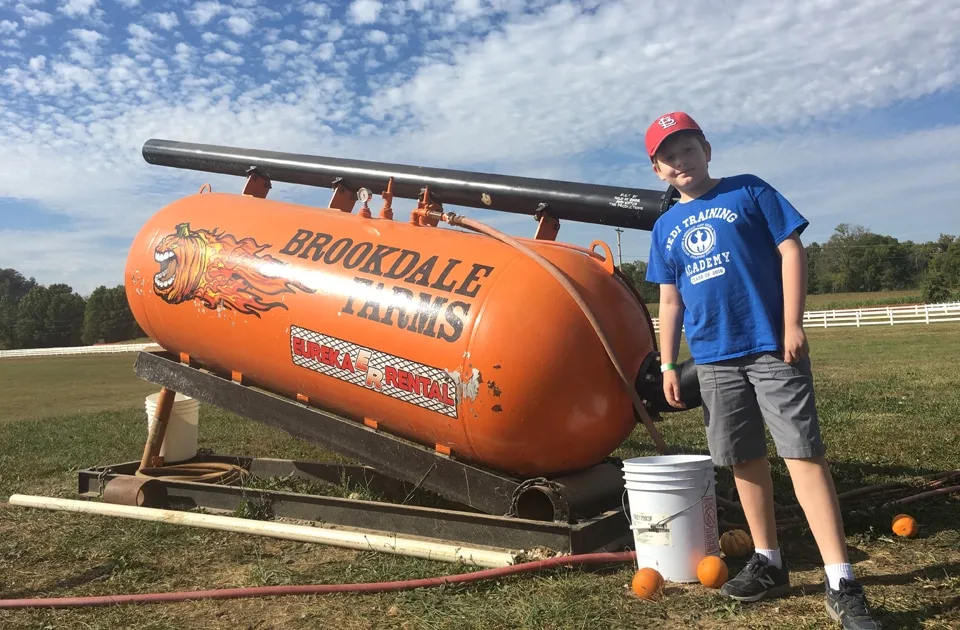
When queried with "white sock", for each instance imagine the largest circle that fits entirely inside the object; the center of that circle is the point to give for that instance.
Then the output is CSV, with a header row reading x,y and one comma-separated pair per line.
x,y
772,556
837,571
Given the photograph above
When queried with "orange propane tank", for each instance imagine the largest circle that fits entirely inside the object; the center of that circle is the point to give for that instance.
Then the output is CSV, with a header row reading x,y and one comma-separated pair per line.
x,y
451,339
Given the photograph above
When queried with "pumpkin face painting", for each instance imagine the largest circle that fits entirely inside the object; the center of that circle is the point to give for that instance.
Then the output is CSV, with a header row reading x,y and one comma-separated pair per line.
x,y
219,271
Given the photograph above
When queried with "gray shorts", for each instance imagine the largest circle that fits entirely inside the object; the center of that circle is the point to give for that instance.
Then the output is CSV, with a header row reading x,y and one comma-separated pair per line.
x,y
742,395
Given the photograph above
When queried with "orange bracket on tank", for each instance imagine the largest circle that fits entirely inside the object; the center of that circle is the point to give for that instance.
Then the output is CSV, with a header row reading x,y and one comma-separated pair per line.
x,y
427,212
370,422
343,198
548,226
386,212
302,398
442,449
607,260
236,377
185,359
257,185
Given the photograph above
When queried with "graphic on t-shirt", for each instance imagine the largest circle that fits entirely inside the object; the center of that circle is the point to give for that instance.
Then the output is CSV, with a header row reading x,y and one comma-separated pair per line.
x,y
699,240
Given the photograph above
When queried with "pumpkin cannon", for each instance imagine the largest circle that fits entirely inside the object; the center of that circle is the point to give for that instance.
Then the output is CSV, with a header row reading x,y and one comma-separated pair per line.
x,y
495,372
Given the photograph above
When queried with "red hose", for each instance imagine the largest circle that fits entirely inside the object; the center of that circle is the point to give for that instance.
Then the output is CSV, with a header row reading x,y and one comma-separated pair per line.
x,y
315,589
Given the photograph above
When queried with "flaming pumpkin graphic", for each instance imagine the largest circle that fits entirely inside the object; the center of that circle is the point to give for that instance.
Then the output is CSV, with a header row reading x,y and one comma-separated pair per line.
x,y
219,271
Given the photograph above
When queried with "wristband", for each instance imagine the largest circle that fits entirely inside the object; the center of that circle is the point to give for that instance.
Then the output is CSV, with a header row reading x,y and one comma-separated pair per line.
x,y
667,367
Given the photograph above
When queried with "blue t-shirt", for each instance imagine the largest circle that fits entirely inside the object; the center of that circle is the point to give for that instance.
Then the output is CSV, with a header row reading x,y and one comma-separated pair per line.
x,y
721,253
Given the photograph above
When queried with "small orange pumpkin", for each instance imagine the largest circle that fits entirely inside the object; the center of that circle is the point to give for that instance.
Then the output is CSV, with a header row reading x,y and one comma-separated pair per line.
x,y
647,583
736,543
905,525
712,572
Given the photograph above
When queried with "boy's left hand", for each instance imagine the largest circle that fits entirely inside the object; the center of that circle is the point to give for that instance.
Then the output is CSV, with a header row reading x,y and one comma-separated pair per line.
x,y
795,345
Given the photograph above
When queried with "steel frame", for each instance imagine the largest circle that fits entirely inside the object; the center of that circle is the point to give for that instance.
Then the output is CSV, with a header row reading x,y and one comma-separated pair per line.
x,y
576,514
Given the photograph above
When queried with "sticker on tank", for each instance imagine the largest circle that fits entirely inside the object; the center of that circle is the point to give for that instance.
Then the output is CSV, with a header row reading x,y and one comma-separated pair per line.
x,y
400,378
219,271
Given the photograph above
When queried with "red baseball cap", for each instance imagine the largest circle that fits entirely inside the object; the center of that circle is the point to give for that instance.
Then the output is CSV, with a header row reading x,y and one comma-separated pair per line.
x,y
665,126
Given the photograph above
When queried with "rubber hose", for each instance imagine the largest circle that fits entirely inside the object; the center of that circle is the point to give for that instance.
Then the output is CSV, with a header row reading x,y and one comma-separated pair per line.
x,y
200,472
317,589
454,219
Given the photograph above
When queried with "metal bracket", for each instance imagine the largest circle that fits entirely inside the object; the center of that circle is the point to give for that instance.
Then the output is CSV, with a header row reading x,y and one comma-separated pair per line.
x,y
548,226
343,199
258,185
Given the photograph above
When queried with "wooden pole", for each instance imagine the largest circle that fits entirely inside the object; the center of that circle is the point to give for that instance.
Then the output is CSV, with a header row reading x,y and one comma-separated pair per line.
x,y
158,429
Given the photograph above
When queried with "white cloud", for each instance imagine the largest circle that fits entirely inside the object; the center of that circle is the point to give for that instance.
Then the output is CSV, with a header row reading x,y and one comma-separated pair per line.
x,y
364,11
315,10
551,91
86,36
238,25
203,12
77,8
166,21
33,18
377,36
222,57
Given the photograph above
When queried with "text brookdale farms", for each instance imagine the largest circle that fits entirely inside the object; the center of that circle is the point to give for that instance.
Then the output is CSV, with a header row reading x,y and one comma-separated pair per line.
x,y
455,280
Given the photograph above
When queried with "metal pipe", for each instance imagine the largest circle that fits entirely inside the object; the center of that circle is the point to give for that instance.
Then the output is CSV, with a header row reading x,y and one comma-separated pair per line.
x,y
635,208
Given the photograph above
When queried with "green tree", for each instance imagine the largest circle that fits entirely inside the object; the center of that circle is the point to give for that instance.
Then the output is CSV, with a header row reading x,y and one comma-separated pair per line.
x,y
13,287
636,273
121,324
94,316
30,329
935,288
855,259
942,280
49,317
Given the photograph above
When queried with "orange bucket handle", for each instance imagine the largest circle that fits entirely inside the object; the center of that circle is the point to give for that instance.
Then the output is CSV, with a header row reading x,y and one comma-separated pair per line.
x,y
607,259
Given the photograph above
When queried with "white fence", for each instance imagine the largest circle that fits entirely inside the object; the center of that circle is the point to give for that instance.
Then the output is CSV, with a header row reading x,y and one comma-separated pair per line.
x,y
76,350
878,316
885,315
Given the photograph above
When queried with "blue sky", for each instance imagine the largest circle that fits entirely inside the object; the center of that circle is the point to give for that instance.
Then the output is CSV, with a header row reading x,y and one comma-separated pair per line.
x,y
850,109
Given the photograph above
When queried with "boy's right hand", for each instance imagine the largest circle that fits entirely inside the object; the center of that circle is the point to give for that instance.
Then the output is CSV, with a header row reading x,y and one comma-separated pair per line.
x,y
671,389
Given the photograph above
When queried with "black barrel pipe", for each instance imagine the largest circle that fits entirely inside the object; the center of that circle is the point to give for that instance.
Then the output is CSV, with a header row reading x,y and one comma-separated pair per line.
x,y
572,201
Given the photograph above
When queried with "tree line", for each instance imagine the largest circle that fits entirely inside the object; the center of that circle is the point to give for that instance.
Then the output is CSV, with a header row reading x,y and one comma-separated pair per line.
x,y
852,260
37,316
855,260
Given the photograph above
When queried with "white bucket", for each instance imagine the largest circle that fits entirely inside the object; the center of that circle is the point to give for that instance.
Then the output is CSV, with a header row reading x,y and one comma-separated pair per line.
x,y
181,438
672,507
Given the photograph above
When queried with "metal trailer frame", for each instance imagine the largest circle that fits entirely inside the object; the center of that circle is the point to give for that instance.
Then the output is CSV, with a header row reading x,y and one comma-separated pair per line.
x,y
579,513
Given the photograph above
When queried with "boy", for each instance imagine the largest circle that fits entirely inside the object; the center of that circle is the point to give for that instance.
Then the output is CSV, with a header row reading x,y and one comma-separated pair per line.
x,y
732,269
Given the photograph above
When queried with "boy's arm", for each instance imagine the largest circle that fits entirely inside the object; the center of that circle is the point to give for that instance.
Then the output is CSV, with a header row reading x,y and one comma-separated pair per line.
x,y
794,270
671,317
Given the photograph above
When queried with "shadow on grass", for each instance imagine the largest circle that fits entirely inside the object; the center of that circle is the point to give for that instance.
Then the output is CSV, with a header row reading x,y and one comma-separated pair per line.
x,y
900,619
915,618
864,514
90,575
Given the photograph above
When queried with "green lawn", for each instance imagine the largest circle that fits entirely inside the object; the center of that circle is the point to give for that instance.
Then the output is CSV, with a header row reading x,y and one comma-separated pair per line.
x,y
888,397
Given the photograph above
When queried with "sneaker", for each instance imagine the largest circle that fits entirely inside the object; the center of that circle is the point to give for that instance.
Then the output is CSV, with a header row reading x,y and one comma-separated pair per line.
x,y
848,605
758,579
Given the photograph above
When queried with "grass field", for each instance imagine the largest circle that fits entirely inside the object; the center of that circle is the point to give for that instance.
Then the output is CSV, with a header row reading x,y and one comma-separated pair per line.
x,y
888,397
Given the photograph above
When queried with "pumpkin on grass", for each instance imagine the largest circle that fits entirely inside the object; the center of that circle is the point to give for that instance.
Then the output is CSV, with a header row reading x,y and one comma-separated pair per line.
x,y
905,525
647,584
712,572
736,543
